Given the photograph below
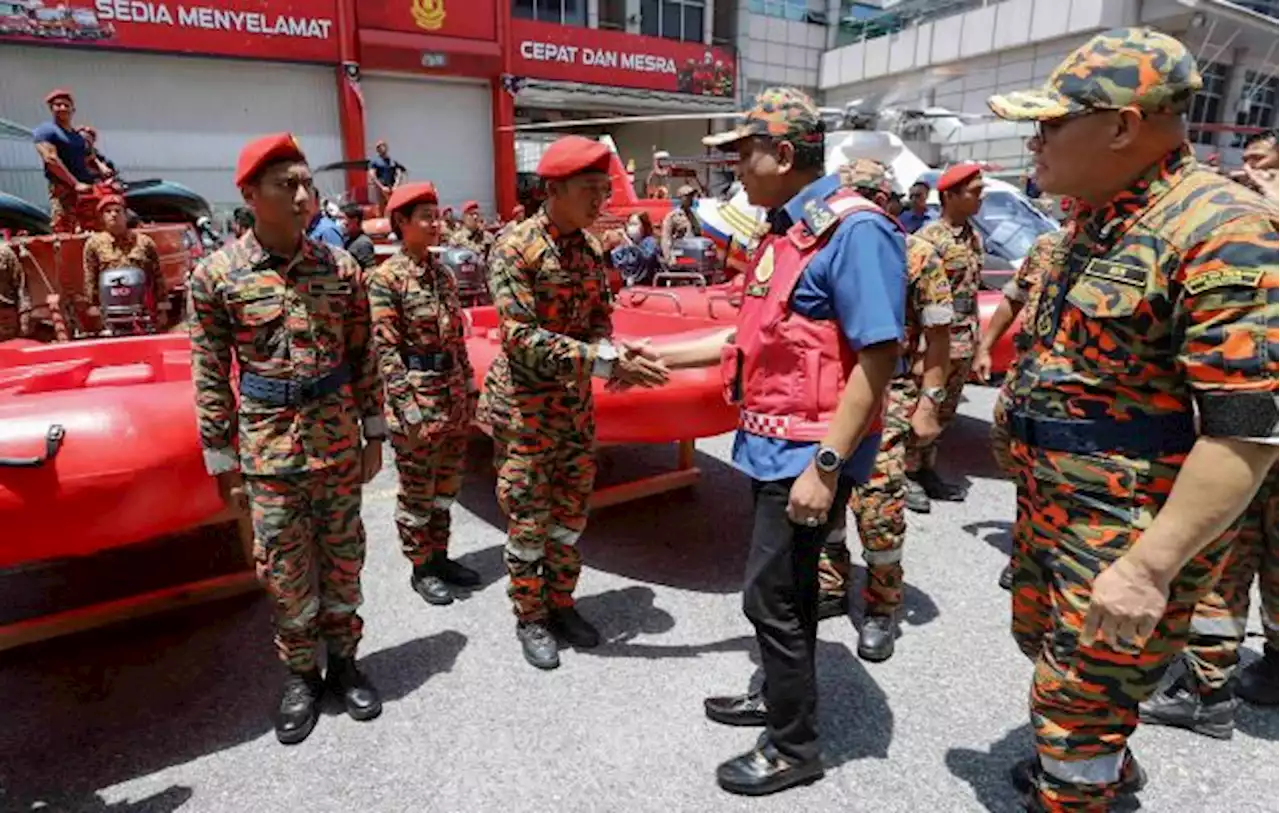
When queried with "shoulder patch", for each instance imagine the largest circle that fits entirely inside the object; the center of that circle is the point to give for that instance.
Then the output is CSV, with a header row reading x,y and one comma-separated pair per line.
x,y
1224,278
819,217
327,287
1119,272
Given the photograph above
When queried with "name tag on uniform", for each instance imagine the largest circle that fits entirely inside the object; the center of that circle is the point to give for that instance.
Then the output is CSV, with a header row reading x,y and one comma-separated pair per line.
x,y
326,287
1119,272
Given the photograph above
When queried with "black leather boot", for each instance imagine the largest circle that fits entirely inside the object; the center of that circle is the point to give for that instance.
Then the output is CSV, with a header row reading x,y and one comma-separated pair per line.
x,y
763,770
831,605
577,631
875,639
736,710
454,573
426,583
346,681
1256,683
299,706
539,645
1181,706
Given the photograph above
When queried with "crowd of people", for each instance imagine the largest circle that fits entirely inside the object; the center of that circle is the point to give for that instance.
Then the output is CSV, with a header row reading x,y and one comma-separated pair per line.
x,y
1138,422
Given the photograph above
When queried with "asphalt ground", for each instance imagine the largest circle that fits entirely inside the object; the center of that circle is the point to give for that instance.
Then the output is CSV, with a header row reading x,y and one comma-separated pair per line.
x,y
172,713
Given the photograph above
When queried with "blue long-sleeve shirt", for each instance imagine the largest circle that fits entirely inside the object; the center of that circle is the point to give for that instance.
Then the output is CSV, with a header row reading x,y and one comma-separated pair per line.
x,y
326,230
859,279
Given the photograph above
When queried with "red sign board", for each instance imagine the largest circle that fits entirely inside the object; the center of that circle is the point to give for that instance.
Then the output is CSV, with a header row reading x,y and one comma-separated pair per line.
x,y
469,19
572,54
289,30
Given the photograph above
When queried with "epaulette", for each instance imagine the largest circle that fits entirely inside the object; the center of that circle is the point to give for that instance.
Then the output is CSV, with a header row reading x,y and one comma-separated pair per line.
x,y
818,217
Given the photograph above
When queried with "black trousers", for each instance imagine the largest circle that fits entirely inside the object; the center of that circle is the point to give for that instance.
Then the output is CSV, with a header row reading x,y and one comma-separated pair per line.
x,y
780,598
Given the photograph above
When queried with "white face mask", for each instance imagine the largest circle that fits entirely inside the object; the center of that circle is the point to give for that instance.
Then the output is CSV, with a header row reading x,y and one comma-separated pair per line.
x,y
635,232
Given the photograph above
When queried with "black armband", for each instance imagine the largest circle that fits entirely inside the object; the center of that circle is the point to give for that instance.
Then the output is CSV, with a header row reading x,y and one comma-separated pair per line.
x,y
1238,414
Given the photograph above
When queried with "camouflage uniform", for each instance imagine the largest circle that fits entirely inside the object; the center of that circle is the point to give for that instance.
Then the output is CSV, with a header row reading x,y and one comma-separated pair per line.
x,y
63,217
880,504
676,225
102,252
1167,298
962,255
418,324
15,301
1023,289
298,320
480,241
554,305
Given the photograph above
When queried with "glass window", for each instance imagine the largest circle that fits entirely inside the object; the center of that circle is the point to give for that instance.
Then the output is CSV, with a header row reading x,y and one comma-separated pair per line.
x,y
1256,106
693,25
565,12
673,19
649,17
1206,107
574,12
524,10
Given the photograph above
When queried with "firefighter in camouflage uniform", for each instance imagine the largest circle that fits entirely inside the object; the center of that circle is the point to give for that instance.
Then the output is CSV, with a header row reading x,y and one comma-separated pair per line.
x,y
473,234
548,283
14,297
1164,306
290,315
430,388
879,506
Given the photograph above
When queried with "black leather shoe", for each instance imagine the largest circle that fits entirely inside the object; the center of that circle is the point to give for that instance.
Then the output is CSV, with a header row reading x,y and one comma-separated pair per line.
x,y
1256,683
917,500
831,605
736,710
1181,706
539,645
1025,772
299,707
452,572
430,586
346,681
875,639
577,631
1006,578
939,489
763,770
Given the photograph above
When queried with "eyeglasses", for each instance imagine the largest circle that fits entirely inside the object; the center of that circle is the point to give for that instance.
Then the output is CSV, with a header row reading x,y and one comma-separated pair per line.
x,y
1047,127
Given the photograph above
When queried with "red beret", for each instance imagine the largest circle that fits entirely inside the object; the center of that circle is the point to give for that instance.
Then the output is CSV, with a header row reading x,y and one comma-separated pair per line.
x,y
958,174
573,154
59,93
257,154
110,200
470,206
410,195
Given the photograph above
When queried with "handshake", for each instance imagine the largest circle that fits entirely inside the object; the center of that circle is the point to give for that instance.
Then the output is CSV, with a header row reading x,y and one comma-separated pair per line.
x,y
638,365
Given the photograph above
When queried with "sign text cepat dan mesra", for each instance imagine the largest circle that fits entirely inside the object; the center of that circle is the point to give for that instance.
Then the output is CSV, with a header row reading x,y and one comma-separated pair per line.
x,y
301,30
568,54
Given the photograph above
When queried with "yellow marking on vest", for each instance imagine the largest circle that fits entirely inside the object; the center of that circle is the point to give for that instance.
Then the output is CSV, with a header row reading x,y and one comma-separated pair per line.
x,y
764,268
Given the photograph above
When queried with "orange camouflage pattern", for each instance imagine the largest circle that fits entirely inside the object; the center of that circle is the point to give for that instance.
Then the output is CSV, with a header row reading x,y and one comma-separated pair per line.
x,y
415,309
15,300
1167,297
480,241
554,306
102,252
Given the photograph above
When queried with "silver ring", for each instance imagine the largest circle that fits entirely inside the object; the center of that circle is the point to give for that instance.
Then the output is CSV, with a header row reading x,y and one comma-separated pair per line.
x,y
812,522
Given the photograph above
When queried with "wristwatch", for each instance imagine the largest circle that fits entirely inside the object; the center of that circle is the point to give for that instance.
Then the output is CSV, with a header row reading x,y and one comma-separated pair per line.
x,y
606,355
828,460
935,394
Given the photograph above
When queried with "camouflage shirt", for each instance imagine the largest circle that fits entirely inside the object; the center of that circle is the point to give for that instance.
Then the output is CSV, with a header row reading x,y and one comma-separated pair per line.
x,y
962,256
14,298
481,242
415,310
928,292
102,252
1166,294
677,225
281,318
1027,282
554,306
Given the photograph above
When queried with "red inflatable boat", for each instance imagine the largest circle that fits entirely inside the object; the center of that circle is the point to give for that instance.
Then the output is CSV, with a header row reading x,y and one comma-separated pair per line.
x,y
690,406
98,446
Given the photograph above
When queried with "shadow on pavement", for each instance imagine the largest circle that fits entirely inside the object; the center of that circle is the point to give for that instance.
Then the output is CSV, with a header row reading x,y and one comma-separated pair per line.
x,y
987,772
917,609
621,615
130,700
964,451
998,533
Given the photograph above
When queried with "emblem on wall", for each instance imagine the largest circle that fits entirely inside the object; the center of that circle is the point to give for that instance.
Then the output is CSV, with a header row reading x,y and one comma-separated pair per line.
x,y
428,14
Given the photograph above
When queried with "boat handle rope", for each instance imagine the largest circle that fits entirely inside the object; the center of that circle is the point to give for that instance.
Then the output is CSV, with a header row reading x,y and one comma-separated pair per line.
x,y
635,297
734,300
52,443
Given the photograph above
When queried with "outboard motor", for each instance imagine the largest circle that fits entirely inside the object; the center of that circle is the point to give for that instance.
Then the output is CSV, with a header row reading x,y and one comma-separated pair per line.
x,y
124,296
473,283
696,255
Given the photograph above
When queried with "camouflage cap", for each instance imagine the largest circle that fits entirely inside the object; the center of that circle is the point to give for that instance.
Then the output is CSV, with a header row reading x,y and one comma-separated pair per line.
x,y
1123,67
864,173
779,112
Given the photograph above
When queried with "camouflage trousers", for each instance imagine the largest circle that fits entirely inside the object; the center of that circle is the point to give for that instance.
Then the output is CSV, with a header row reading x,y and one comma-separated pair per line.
x,y
880,509
925,455
1000,438
1218,626
430,478
1077,515
308,545
62,209
545,480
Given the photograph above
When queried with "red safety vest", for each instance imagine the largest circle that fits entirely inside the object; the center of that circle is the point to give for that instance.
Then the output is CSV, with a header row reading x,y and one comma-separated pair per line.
x,y
785,371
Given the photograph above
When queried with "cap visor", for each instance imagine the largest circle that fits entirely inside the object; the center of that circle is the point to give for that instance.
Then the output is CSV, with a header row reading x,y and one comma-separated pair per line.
x,y
1030,105
725,140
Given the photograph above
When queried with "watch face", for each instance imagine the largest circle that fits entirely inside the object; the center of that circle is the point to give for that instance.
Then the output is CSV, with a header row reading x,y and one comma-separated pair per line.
x,y
828,460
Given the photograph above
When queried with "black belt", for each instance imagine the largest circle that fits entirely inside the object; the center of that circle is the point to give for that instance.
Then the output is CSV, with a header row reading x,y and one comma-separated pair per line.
x,y
428,362
293,391
963,304
1144,438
